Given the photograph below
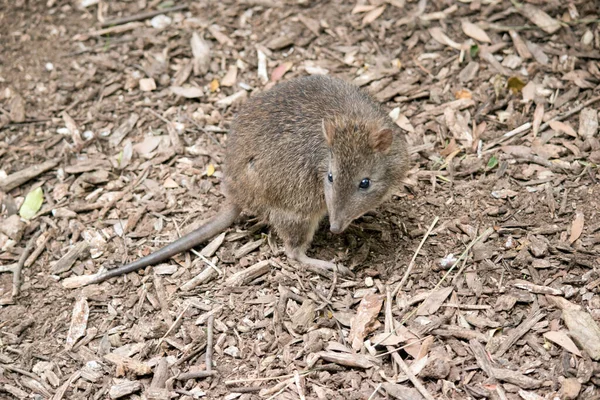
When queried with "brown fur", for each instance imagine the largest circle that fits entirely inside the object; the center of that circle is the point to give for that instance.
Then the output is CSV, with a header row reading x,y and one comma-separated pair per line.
x,y
285,141
280,150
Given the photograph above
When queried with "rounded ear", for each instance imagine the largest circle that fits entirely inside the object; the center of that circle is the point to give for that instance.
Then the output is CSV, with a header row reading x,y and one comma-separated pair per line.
x,y
381,141
328,131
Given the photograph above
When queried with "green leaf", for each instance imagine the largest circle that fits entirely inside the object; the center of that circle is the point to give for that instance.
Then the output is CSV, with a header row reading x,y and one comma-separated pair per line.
x,y
32,204
493,161
474,50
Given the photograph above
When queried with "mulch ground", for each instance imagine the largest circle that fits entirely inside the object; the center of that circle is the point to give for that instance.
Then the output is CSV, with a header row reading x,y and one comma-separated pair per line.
x,y
480,279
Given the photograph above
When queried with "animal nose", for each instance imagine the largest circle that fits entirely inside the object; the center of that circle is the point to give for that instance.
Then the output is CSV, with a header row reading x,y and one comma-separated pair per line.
x,y
335,227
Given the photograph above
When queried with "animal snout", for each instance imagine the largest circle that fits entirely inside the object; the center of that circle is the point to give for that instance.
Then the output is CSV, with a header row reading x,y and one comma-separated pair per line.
x,y
336,227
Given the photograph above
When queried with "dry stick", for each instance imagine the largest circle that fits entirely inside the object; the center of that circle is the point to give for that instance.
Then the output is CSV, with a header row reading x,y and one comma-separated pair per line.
x,y
18,267
270,378
141,16
412,261
173,325
545,125
486,365
372,396
413,379
209,342
389,326
18,178
299,386
487,232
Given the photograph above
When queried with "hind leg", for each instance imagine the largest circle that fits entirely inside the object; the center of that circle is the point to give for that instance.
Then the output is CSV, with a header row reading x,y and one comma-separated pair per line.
x,y
297,233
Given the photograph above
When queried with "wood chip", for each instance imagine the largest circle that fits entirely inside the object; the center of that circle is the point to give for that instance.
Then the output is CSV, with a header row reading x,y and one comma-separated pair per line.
x,y
588,123
249,274
16,179
66,262
79,319
584,330
126,365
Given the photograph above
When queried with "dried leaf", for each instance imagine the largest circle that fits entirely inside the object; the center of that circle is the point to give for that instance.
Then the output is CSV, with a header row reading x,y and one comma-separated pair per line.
x,y
214,85
365,320
79,319
278,72
475,32
577,227
32,204
463,94
504,193
229,100
540,18
529,91
210,170
387,339
149,144
434,301
230,77
222,38
564,341
17,109
515,84
563,127
438,35
373,15
538,115
458,124
348,360
361,8
201,53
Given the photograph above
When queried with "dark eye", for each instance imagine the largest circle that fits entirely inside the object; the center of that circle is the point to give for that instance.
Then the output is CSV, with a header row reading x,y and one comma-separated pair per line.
x,y
330,177
365,183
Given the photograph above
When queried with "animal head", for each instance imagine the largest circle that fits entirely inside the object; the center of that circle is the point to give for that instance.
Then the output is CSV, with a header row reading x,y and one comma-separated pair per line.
x,y
366,159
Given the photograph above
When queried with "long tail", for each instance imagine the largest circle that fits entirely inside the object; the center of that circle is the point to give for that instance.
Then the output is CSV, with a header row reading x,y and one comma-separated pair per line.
x,y
213,227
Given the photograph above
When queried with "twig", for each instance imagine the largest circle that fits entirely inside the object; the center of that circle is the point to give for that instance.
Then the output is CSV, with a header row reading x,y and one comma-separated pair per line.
x,y
173,325
270,378
18,178
161,294
209,342
372,396
413,379
487,232
544,126
17,268
412,261
389,327
195,375
486,365
142,16
299,386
